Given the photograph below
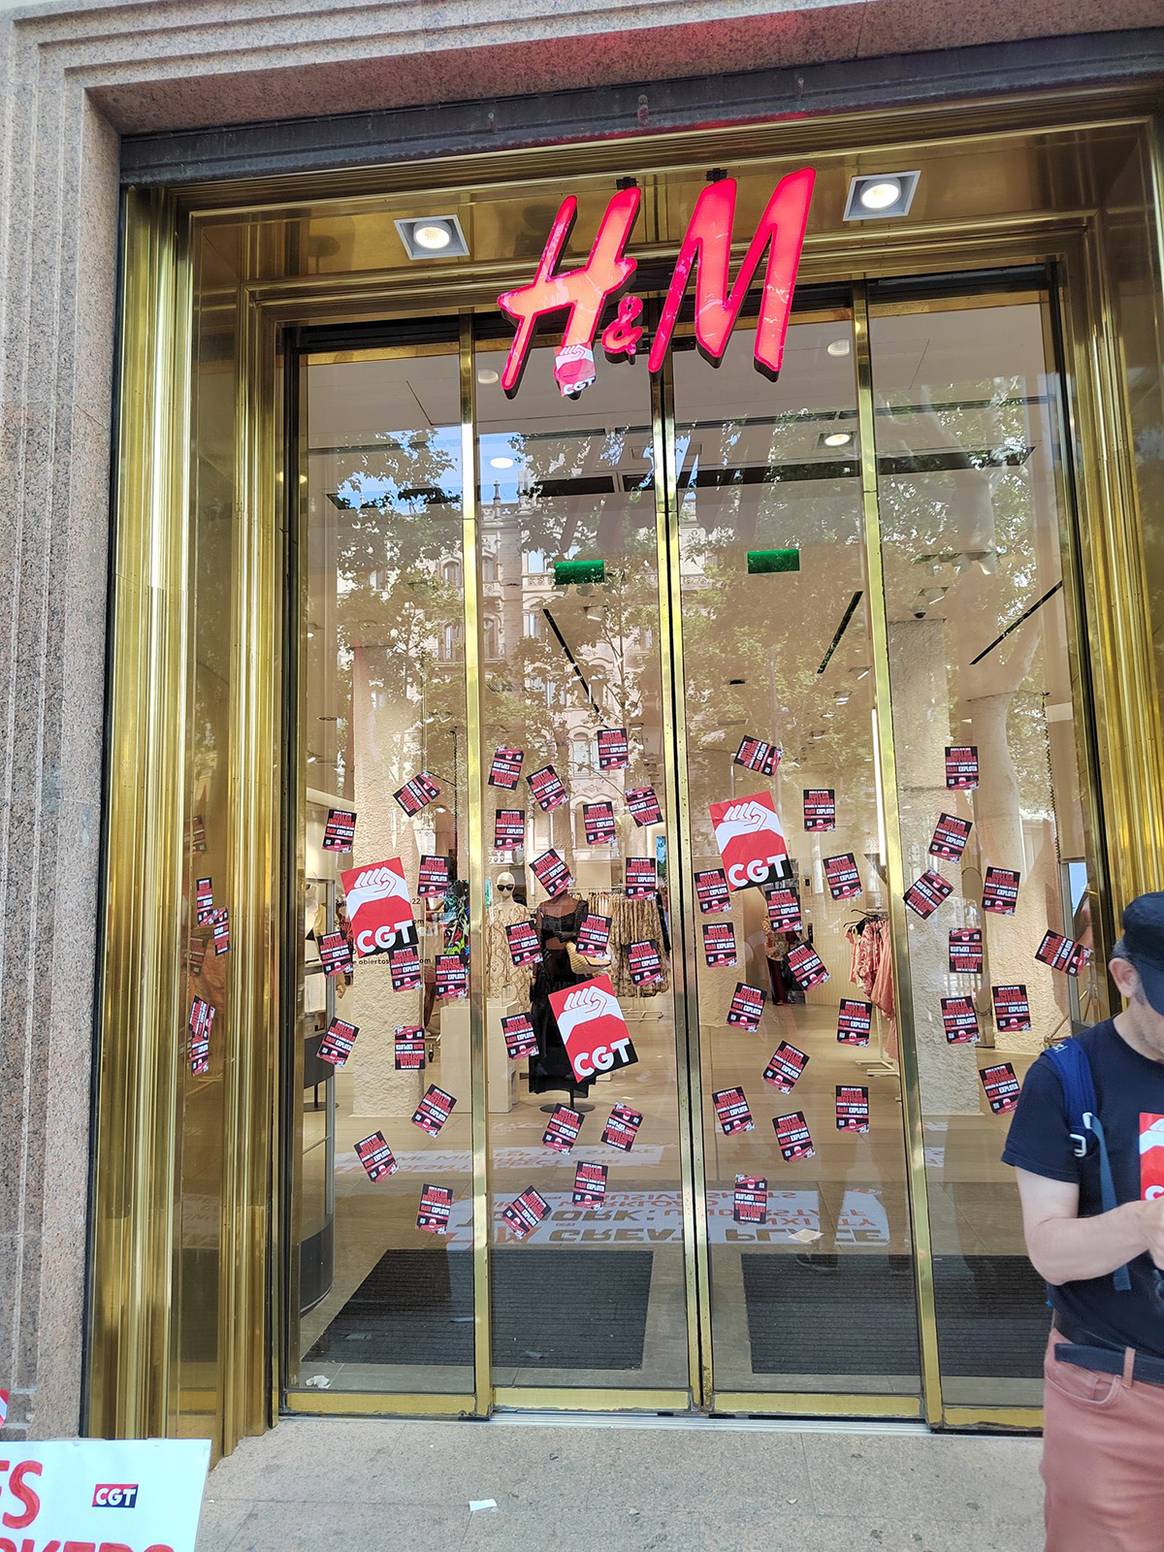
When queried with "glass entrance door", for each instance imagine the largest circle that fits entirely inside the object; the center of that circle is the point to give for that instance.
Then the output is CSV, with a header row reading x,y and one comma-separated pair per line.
x,y
692,772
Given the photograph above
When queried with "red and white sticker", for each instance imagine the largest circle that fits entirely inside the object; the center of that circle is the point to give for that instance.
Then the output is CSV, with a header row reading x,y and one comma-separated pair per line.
x,y
750,1199
784,910
643,806
339,833
203,900
1151,1157
960,1021
854,1021
546,788
1062,953
842,876
408,1048
220,923
201,1018
519,1036
552,873
747,1007
434,1110
505,767
508,829
719,944
404,964
785,1066
820,808
379,908
336,1045
376,1156
644,963
961,767
750,841
417,793
335,953
592,1027
1012,1008
1001,1086
807,967
199,1057
622,1127
434,876
525,1212
594,935
452,978
755,755
613,749
524,945
793,1137
731,1111
950,837
926,893
640,877
435,1210
852,1107
598,823
711,891
562,1129
589,1185
1000,890
965,951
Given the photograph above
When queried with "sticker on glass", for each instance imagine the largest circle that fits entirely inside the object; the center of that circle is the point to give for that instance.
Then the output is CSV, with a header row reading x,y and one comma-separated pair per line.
x,y
719,943
965,951
784,910
842,876
434,1110
960,1021
1012,1008
751,842
589,1185
1001,1086
376,1156
546,789
1000,890
525,1212
643,806
195,954
755,755
203,901
598,823
417,793
524,945
622,1127
196,833
961,767
408,1048
452,977
852,1108
201,1018
552,873
434,876
519,1036
747,1007
379,907
1062,953
594,935
562,1129
640,877
820,808
220,935
592,1027
613,749
926,893
505,767
711,891
785,1066
793,1137
644,963
807,967
404,964
336,1045
950,837
731,1111
854,1021
435,1210
339,833
335,953
508,829
750,1199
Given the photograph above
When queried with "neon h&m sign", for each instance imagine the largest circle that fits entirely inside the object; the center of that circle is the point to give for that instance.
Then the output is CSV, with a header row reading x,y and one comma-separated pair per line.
x,y
583,293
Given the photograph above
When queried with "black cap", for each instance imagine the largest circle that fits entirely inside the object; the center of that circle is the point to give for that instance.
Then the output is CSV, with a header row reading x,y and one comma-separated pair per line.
x,y
1143,940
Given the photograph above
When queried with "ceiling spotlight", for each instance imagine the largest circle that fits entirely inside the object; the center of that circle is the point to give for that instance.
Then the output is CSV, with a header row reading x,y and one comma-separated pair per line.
x,y
874,196
838,347
841,697
501,463
933,595
427,237
861,671
486,376
836,439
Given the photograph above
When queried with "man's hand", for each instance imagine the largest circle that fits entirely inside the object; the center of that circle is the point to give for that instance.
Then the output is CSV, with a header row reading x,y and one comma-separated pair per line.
x,y
1065,1248
1151,1219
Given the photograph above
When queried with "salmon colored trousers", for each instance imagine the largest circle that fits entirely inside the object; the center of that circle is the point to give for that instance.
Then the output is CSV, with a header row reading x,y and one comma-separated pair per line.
x,y
1103,1459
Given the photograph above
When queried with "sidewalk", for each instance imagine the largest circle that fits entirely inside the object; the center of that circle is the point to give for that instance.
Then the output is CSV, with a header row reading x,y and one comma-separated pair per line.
x,y
374,1486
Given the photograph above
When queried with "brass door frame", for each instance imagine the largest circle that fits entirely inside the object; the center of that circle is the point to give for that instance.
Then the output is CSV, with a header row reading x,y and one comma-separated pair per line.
x,y
132,1360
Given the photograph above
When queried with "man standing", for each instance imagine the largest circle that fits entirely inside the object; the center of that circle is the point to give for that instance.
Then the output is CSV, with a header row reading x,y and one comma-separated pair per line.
x,y
1104,1368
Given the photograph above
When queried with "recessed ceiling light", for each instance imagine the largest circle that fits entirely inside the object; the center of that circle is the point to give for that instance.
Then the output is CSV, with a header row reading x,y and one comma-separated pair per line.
x,y
874,196
486,376
429,237
838,347
836,439
501,462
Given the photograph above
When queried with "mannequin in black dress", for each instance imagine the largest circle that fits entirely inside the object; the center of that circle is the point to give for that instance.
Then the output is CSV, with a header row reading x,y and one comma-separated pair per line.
x,y
557,922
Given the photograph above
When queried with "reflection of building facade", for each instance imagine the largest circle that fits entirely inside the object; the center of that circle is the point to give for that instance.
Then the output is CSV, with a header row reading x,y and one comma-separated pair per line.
x,y
335,541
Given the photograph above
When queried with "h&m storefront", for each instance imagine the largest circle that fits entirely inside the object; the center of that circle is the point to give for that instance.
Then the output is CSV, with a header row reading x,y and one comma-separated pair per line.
x,y
588,872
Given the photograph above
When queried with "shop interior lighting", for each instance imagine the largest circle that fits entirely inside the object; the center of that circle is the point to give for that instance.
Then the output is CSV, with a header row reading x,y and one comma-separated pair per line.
x,y
834,439
486,376
501,462
433,237
838,347
880,196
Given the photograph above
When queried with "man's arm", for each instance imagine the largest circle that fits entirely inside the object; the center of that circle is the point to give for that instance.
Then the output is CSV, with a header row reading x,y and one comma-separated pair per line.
x,y
1065,1248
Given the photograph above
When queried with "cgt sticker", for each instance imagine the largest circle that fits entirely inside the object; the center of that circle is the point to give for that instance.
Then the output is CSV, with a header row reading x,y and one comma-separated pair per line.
x,y
1012,1008
926,893
965,951
961,767
505,767
842,877
785,1066
622,1127
644,963
747,1007
852,1107
598,823
336,1045
376,1156
546,789
854,1021
719,944
751,842
408,1048
1062,953
589,1185
808,969
592,1027
820,808
417,793
750,1199
1151,1157
525,1212
613,749
562,1129
643,806
379,908
950,837
433,1111
793,1137
339,833
1001,1086
731,1111
960,1021
435,1210
755,755
518,1033
1000,890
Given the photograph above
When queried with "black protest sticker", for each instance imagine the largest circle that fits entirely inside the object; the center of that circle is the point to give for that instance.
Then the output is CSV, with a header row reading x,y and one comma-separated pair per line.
x,y
731,1111
950,837
452,977
417,793
203,900
793,1137
408,1048
376,1156
525,1212
335,953
336,1045
613,749
546,788
961,767
842,876
434,876
643,806
622,1127
756,755
750,1199
508,829
784,910
524,945
435,1210
719,943
594,935
589,1185
820,808
785,1066
1001,1086
960,1021
598,823
505,767
965,951
852,1107
339,833
552,873
807,967
926,893
1012,1008
854,1021
220,935
640,877
711,891
1062,953
404,966
518,1032
1000,890
433,1111
747,1005
644,962
562,1129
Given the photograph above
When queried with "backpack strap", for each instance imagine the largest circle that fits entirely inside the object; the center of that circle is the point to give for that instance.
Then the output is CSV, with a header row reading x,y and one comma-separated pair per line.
x,y
1069,1061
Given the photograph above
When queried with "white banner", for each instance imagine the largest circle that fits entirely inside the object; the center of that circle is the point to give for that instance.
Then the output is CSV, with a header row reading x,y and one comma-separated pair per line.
x,y
102,1495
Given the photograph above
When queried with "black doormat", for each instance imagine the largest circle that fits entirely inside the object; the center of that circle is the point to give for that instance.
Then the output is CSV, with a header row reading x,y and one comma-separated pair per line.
x,y
992,1316
552,1309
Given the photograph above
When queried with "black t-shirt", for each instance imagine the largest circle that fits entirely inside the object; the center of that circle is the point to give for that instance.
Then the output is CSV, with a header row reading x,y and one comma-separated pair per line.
x,y
1129,1090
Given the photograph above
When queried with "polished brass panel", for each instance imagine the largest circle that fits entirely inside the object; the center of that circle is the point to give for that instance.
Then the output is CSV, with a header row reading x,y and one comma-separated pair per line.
x,y
1015,1419
353,1403
790,1403
536,1398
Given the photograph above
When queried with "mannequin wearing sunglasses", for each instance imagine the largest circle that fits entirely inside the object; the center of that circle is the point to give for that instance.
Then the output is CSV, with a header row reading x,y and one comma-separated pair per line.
x,y
504,978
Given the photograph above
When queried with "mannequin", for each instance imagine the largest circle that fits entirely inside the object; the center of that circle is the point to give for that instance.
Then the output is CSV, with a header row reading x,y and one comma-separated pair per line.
x,y
504,978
